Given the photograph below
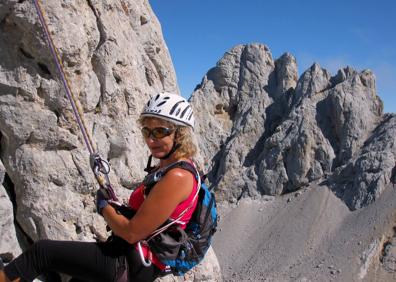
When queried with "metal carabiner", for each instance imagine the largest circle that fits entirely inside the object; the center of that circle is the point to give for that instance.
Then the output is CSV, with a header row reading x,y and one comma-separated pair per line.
x,y
101,170
142,258
98,164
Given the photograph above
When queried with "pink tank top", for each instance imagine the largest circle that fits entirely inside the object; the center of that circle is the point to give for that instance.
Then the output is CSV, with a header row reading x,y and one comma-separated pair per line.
x,y
136,200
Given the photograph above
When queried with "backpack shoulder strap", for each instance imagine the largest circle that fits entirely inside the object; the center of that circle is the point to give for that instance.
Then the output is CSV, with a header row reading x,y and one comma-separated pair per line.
x,y
181,164
186,166
152,178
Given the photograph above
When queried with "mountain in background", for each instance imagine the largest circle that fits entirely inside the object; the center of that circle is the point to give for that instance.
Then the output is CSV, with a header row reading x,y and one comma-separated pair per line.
x,y
308,163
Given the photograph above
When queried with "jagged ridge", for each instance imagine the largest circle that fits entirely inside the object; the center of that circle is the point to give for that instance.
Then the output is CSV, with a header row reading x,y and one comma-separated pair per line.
x,y
272,134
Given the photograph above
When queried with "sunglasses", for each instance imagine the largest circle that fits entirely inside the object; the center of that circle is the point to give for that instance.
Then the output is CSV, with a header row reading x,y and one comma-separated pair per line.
x,y
157,132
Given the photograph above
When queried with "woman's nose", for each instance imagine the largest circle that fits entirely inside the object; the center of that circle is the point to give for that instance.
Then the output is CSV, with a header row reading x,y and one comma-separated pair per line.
x,y
150,140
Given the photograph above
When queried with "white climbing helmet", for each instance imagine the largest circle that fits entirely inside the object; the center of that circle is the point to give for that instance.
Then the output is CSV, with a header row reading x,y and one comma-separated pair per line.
x,y
171,107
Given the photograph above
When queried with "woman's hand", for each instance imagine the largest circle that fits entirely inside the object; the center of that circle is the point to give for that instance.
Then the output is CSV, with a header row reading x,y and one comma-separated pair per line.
x,y
102,200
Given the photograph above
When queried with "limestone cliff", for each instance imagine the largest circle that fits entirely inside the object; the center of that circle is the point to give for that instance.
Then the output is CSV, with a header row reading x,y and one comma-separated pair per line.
x,y
115,57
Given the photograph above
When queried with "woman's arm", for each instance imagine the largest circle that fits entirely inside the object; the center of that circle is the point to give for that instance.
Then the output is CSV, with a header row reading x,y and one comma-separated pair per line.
x,y
166,195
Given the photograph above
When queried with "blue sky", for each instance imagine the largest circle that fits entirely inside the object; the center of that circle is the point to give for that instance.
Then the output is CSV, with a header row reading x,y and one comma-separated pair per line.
x,y
361,34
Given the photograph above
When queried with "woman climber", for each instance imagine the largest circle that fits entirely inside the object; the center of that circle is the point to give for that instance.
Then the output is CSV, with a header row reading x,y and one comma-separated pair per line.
x,y
167,122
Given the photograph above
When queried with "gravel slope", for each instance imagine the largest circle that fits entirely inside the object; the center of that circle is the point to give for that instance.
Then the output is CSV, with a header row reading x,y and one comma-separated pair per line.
x,y
308,235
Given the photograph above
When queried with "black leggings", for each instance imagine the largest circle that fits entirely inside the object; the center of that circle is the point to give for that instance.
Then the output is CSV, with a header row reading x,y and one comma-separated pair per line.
x,y
86,261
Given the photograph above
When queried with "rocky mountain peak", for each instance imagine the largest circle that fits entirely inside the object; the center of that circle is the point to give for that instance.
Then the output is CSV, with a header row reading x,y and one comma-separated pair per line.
x,y
286,73
262,131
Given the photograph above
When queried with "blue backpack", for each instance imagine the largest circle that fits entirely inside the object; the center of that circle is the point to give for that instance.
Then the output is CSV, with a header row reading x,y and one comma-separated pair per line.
x,y
182,249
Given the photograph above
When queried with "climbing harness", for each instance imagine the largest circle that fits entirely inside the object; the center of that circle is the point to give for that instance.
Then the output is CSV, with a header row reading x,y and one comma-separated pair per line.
x,y
100,167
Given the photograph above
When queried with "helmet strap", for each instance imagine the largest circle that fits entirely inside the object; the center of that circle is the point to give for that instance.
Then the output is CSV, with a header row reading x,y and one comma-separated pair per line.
x,y
174,147
149,168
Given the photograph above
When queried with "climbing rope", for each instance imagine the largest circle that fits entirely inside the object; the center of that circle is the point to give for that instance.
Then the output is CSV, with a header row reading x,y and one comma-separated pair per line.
x,y
73,101
99,166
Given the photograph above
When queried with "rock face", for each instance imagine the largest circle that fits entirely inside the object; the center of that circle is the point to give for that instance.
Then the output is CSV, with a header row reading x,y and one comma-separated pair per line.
x,y
114,57
113,66
363,178
208,270
262,131
8,236
234,95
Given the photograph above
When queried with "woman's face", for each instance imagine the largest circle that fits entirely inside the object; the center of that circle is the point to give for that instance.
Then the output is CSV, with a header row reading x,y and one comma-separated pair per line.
x,y
158,139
